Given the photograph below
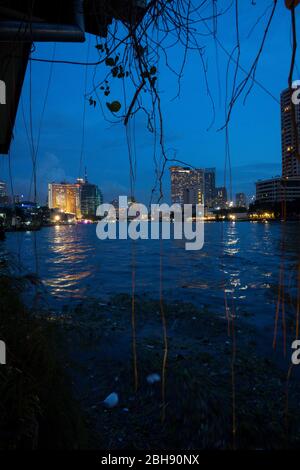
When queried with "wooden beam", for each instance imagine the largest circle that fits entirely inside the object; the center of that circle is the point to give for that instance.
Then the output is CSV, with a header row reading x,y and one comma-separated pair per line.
x,y
13,62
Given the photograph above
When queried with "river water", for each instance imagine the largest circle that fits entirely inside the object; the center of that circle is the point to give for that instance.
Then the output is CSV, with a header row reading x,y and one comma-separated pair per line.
x,y
244,259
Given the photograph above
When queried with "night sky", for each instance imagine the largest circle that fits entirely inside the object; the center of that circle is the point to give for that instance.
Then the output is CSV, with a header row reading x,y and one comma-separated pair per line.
x,y
254,130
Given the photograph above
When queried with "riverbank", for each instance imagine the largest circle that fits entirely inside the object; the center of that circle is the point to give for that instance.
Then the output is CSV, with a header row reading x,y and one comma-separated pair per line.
x,y
231,218
37,409
207,390
187,380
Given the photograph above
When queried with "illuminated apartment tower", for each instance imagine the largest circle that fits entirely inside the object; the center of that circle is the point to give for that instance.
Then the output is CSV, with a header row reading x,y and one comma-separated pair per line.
x,y
2,189
186,181
3,193
66,197
287,187
290,163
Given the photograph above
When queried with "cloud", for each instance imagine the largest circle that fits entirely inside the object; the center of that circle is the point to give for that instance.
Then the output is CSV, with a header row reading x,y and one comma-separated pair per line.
x,y
112,190
50,169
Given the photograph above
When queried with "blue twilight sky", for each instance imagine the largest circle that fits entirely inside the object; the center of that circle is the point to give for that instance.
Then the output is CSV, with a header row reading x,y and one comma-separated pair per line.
x,y
254,129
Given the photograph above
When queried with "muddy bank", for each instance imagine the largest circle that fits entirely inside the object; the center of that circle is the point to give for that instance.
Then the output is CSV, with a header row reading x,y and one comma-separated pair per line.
x,y
212,390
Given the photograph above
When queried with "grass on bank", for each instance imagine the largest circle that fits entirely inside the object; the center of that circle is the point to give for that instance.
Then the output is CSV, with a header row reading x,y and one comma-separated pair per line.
x,y
37,410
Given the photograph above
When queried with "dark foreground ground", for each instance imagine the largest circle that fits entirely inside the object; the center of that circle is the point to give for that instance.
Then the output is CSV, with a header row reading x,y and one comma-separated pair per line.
x,y
214,390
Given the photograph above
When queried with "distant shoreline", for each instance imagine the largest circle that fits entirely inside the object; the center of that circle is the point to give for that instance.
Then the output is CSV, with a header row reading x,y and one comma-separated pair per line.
x,y
37,229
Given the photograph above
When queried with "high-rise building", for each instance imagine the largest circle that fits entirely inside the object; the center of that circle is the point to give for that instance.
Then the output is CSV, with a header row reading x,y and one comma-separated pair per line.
x,y
276,190
289,112
185,180
193,196
65,197
241,200
209,186
90,199
3,193
287,187
221,197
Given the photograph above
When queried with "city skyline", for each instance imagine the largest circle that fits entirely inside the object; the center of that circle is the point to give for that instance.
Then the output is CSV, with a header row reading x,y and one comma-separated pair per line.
x,y
186,131
286,187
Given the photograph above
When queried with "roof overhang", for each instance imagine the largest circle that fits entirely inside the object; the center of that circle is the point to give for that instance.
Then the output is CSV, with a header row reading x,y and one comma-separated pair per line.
x,y
22,22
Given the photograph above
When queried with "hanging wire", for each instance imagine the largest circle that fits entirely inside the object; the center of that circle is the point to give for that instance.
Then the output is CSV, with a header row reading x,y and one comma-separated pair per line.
x,y
82,146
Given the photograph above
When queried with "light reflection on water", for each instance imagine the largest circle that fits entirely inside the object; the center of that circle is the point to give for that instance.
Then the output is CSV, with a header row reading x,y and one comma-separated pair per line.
x,y
243,258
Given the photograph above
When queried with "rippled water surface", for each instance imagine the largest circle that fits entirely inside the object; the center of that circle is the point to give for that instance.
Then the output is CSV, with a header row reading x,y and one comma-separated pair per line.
x,y
243,259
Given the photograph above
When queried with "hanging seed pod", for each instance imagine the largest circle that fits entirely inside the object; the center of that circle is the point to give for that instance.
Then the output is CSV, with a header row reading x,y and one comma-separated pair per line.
x,y
114,106
290,3
110,61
